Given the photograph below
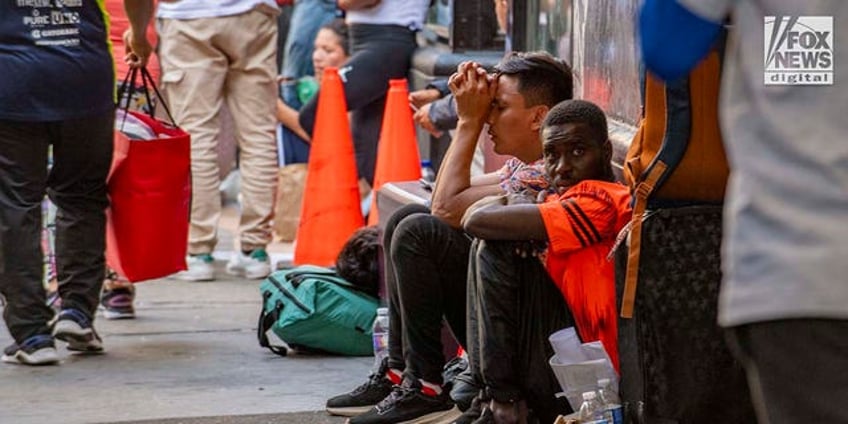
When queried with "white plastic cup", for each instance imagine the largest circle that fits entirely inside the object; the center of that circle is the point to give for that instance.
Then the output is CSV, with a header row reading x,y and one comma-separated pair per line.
x,y
566,345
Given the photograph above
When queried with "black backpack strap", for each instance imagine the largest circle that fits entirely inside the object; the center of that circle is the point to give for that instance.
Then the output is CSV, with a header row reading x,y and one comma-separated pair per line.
x,y
266,321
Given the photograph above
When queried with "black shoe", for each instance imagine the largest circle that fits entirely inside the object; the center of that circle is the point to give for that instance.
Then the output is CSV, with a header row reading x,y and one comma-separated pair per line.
x,y
75,328
486,417
464,388
117,303
364,397
474,411
407,405
35,350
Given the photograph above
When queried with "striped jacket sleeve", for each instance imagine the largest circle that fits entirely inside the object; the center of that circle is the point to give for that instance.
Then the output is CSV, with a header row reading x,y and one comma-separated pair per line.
x,y
583,216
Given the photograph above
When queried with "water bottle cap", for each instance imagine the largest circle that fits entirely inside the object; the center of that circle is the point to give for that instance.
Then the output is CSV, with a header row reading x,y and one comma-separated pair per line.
x,y
426,162
588,395
603,382
382,311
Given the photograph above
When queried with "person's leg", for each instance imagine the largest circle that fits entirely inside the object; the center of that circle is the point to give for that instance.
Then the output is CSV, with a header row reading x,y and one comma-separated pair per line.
x,y
795,369
23,178
396,360
389,372
251,96
519,307
430,259
193,72
82,155
365,124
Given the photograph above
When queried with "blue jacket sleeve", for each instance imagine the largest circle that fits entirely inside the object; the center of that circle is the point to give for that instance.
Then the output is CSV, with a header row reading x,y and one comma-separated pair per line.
x,y
673,38
443,113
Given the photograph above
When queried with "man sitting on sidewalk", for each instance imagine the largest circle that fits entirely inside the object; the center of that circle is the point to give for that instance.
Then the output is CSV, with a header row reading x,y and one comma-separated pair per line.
x,y
515,296
427,255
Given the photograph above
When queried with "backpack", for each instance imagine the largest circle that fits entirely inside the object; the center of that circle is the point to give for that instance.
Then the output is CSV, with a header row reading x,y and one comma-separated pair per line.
x,y
675,365
311,308
676,157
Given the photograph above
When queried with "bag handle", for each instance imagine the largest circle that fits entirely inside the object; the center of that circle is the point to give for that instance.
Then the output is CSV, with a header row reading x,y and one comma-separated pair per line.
x,y
295,277
266,320
147,83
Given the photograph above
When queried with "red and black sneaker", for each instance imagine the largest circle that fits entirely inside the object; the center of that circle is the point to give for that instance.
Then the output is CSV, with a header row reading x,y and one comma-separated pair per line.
x,y
407,404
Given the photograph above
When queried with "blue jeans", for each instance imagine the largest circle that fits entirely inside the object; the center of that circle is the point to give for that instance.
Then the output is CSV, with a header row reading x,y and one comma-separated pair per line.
x,y
294,149
307,18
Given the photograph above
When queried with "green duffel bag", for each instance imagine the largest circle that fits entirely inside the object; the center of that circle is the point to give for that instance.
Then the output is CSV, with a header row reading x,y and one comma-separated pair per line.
x,y
311,308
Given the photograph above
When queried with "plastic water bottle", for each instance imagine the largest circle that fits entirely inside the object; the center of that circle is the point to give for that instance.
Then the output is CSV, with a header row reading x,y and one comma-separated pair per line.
x,y
427,172
610,401
591,411
380,334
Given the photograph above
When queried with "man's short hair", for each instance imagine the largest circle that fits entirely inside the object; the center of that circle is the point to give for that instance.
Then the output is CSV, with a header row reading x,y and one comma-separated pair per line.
x,y
590,115
358,261
542,78
582,112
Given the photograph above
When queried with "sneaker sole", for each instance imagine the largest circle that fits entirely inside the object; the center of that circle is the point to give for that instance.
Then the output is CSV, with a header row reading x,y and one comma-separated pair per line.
x,y
248,275
450,416
430,418
194,278
79,339
349,411
110,315
47,356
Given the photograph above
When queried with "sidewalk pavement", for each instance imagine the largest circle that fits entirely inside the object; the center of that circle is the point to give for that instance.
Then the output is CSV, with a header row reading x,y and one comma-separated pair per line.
x,y
191,356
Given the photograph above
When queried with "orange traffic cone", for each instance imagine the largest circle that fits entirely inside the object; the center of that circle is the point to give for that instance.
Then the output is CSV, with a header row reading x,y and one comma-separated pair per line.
x,y
397,153
331,205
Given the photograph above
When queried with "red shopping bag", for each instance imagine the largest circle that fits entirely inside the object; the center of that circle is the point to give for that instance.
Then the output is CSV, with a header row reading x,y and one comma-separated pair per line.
x,y
150,194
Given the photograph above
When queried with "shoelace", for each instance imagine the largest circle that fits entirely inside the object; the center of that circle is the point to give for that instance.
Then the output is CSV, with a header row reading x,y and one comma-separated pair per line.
x,y
374,378
397,395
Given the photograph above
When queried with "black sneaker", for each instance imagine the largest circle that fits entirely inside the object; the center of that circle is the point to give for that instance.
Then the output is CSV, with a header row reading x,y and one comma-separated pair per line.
x,y
35,350
74,327
474,411
486,417
117,303
464,387
364,397
407,405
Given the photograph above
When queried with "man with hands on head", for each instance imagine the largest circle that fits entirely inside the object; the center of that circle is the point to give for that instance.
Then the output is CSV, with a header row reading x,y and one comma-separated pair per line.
x,y
427,254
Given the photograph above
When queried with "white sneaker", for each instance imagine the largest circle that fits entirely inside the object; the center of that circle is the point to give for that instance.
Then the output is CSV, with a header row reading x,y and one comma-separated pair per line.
x,y
199,269
255,266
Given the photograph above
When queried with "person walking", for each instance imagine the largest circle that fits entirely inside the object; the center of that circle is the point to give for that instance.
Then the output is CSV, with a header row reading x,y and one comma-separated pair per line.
x,y
57,90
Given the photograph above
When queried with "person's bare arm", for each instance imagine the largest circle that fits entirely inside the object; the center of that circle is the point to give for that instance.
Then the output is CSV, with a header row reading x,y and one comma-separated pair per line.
x,y
507,222
138,46
289,117
454,191
357,4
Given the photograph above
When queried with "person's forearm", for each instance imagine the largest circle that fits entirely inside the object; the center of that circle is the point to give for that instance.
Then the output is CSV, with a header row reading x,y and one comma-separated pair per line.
x,y
453,192
139,13
509,222
290,119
